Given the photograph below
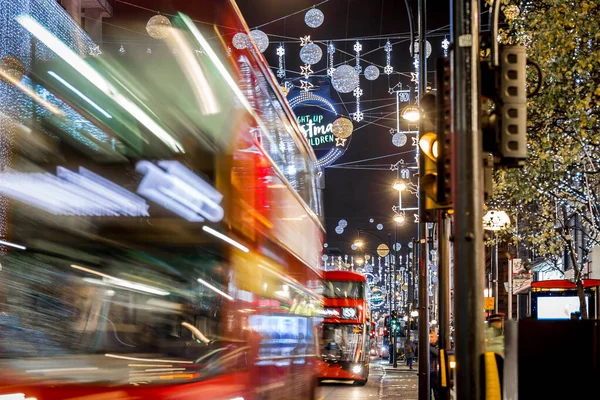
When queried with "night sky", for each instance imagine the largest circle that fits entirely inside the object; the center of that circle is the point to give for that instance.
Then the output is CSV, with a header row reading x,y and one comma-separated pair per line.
x,y
356,195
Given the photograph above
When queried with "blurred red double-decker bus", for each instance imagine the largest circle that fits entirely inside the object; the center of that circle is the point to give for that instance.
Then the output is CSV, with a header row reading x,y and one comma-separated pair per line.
x,y
161,219
345,337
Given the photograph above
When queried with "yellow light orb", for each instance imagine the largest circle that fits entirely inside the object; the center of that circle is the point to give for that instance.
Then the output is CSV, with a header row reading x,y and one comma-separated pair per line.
x,y
342,128
158,26
383,250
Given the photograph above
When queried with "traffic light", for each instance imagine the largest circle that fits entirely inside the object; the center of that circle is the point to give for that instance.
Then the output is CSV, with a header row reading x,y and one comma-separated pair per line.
x,y
504,107
434,142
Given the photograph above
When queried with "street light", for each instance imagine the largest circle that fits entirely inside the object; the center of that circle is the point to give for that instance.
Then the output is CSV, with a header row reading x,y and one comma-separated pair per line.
x,y
410,113
494,221
399,218
399,185
359,261
359,243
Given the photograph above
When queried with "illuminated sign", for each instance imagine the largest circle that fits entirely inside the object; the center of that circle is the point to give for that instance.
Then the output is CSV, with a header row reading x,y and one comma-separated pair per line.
x,y
331,312
317,129
315,114
349,313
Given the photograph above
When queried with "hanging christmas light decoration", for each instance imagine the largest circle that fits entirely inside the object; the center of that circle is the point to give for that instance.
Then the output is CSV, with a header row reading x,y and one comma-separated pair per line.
x,y
344,79
261,39
311,53
427,48
371,72
358,115
388,69
330,51
342,128
445,46
314,18
95,51
121,50
357,50
158,26
240,41
306,71
281,55
399,139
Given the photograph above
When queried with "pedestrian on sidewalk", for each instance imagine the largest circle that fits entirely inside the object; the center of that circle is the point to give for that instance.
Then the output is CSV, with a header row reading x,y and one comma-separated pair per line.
x,y
409,351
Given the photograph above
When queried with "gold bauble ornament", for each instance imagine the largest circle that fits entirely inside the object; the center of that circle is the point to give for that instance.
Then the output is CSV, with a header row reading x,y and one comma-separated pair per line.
x,y
383,250
158,26
342,128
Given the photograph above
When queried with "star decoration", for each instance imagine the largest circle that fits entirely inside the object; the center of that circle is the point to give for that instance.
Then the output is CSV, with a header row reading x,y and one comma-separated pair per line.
x,y
415,141
306,71
340,142
393,167
306,86
281,51
388,69
414,77
305,40
416,218
95,51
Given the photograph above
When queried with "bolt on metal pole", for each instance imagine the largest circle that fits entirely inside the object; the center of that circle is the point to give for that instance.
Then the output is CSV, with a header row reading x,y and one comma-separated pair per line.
x,y
467,193
424,378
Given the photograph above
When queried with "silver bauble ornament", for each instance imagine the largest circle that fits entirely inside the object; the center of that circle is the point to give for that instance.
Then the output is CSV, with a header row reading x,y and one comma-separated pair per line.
x,y
311,54
371,72
344,79
314,18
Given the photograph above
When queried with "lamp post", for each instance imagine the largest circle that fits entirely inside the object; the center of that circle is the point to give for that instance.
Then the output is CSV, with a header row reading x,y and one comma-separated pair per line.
x,y
495,221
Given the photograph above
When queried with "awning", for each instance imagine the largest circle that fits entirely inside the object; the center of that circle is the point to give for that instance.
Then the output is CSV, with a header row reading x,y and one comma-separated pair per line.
x,y
563,284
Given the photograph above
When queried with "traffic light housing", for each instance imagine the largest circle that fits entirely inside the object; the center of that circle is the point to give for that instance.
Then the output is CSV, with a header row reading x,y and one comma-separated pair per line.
x,y
434,142
504,107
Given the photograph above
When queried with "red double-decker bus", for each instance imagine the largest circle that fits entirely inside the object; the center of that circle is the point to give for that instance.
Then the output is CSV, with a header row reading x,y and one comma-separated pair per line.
x,y
346,328
160,216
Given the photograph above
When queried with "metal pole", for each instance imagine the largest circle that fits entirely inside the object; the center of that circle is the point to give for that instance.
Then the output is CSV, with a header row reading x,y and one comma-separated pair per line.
x,y
395,273
391,293
444,291
510,288
424,384
495,268
467,193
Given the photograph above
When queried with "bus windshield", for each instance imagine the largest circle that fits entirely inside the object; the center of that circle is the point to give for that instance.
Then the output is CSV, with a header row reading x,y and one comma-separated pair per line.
x,y
342,342
344,289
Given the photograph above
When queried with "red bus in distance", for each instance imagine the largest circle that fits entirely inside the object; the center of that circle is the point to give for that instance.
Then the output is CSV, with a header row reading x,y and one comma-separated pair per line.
x,y
345,336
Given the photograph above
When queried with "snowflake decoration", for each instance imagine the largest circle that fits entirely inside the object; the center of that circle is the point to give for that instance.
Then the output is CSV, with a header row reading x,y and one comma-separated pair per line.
x,y
358,116
445,46
392,131
357,47
388,47
306,86
280,51
388,69
305,40
306,71
330,71
280,73
357,92
95,51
